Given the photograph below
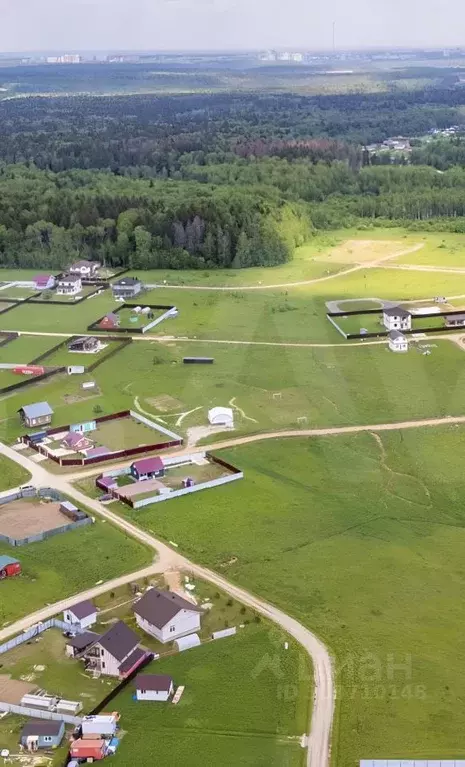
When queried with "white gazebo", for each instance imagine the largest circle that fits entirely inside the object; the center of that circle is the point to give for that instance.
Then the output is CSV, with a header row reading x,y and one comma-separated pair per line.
x,y
221,416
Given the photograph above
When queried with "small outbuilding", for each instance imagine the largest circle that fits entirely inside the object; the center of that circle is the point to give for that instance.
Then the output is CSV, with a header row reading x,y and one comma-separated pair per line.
x,y
106,483
455,321
147,468
9,566
221,416
397,341
82,616
109,322
99,725
154,687
88,749
42,733
80,643
44,282
38,414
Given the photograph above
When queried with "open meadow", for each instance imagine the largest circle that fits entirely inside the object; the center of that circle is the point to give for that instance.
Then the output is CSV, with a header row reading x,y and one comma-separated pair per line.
x,y
360,538
67,564
245,703
11,475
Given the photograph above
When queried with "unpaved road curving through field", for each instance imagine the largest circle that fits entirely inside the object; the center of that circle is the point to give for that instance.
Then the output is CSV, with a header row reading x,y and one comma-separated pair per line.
x,y
321,715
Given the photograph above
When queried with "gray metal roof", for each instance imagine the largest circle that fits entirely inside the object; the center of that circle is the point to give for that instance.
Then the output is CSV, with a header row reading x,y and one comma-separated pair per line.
x,y
6,560
393,334
41,727
37,410
396,311
455,317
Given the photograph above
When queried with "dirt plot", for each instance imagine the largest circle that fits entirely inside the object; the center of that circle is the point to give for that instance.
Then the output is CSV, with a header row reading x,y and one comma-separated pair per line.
x,y
11,691
362,251
19,519
164,402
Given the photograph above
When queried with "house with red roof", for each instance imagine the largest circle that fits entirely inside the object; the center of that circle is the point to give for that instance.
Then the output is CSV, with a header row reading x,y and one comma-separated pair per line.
x,y
147,468
109,322
44,282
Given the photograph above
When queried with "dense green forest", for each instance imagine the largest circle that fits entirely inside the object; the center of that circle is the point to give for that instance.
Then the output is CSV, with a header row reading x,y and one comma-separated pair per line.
x,y
216,180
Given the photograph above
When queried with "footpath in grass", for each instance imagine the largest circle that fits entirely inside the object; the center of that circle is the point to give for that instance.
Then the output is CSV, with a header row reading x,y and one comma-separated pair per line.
x,y
366,548
67,564
246,702
11,475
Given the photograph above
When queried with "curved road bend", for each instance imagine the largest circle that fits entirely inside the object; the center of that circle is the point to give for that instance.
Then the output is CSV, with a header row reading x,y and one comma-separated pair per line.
x,y
321,714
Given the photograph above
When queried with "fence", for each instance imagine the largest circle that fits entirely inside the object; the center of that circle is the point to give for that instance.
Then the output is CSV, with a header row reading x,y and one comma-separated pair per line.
x,y
36,713
35,631
42,493
185,491
133,331
32,379
153,425
8,338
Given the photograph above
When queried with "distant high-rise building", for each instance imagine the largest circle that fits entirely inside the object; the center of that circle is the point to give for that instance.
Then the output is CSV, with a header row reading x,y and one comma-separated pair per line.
x,y
65,58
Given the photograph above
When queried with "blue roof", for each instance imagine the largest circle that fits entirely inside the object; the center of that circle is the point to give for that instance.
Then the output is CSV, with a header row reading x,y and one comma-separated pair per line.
x,y
38,410
4,561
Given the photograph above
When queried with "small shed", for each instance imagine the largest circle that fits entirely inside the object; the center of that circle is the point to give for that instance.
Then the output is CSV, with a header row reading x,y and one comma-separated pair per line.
x,y
158,687
185,643
82,615
221,416
42,733
9,566
109,322
99,725
94,749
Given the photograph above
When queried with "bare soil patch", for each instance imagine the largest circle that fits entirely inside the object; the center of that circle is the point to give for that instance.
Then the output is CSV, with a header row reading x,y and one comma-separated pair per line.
x,y
20,519
71,399
164,402
11,691
361,251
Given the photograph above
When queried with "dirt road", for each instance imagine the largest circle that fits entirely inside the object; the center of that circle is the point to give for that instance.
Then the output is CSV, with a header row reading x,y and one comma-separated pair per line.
x,y
323,704
301,283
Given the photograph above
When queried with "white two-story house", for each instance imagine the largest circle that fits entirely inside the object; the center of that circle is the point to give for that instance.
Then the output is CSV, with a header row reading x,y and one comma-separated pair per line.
x,y
166,616
397,318
116,653
69,285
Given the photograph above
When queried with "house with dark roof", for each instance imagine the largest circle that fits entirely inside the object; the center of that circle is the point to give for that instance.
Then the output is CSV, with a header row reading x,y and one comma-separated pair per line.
x,y
38,414
147,468
106,483
42,733
44,282
85,268
454,321
77,442
397,341
166,615
153,687
397,318
69,285
126,287
84,344
76,645
116,653
81,616
109,322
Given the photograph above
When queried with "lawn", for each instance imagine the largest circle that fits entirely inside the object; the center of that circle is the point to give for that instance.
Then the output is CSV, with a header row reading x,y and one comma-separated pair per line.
x,y
366,548
67,564
126,433
64,357
11,475
442,249
26,348
132,321
245,702
273,387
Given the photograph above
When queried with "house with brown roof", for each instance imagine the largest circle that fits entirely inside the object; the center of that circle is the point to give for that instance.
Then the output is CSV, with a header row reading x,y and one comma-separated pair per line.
x,y
166,615
116,653
76,441
82,616
153,687
85,268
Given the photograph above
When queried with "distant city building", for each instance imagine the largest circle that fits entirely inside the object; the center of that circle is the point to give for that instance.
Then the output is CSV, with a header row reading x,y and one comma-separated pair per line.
x,y
65,58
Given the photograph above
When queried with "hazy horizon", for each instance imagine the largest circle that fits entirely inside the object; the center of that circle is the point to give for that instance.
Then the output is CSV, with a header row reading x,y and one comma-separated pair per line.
x,y
224,25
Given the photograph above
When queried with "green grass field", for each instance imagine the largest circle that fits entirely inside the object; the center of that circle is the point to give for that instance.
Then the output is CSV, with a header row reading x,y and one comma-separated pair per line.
x,y
11,475
65,565
245,702
26,348
365,547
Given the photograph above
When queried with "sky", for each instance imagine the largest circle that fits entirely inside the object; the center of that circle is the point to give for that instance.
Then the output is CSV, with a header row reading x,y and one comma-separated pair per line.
x,y
61,25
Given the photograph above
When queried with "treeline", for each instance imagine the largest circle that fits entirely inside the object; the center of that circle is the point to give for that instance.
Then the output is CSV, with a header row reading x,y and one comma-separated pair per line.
x,y
150,136
50,219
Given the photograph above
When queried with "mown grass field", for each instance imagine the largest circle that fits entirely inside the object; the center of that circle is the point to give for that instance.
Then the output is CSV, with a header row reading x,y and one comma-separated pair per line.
x,y
366,548
11,475
67,564
26,348
245,702
273,387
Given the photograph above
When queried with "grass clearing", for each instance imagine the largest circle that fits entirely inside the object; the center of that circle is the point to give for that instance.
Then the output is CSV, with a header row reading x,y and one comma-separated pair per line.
x,y
363,251
67,564
11,474
309,522
234,709
26,348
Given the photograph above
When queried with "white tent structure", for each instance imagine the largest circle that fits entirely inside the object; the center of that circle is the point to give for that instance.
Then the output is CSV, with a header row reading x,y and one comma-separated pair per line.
x,y
221,416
